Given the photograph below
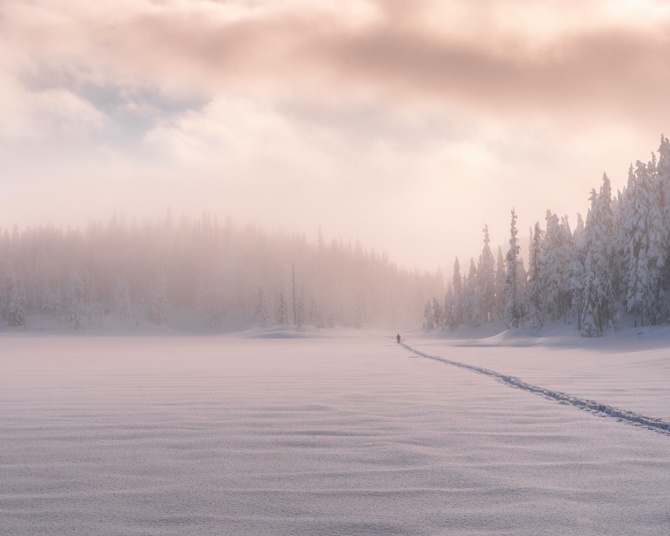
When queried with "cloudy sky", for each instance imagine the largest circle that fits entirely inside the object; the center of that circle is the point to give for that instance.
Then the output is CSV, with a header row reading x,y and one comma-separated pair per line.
x,y
407,125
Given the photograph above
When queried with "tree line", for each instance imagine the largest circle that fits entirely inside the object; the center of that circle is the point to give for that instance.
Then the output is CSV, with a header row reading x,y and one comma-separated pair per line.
x,y
611,268
220,274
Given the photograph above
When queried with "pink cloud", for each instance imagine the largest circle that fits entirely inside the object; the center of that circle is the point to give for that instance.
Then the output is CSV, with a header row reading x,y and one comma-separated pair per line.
x,y
476,57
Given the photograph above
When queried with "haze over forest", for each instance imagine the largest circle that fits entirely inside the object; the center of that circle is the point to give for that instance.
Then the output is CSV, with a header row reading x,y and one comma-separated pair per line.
x,y
219,275
611,269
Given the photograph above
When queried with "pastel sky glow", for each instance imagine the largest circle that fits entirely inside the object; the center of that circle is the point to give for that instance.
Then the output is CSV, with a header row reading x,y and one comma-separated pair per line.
x,y
407,125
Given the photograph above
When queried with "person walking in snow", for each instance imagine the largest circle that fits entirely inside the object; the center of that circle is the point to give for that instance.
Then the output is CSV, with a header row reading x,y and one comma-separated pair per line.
x,y
398,338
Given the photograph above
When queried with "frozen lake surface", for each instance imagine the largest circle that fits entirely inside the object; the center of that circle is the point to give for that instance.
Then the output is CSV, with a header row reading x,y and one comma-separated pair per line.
x,y
341,435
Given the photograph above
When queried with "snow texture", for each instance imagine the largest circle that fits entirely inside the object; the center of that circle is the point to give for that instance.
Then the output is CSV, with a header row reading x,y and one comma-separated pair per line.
x,y
323,433
590,405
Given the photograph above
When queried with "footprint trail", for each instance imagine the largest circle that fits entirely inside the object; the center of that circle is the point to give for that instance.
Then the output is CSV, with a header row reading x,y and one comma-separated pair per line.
x,y
581,403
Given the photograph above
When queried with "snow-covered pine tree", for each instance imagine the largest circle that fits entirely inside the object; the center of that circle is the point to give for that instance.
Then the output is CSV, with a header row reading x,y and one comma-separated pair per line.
x,y
625,225
46,298
606,236
94,310
599,302
522,278
577,273
568,252
501,276
457,285
51,301
299,310
438,314
591,320
536,296
471,310
428,318
486,281
557,255
15,304
663,178
158,313
657,239
513,306
449,308
646,240
76,294
281,314
634,229
297,318
261,316
122,298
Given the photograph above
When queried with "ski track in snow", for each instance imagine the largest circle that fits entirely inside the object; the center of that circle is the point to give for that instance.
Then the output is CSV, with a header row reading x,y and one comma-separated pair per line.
x,y
630,417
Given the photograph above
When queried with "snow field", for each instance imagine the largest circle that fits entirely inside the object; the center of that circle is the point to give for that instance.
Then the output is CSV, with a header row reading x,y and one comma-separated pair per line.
x,y
631,417
331,435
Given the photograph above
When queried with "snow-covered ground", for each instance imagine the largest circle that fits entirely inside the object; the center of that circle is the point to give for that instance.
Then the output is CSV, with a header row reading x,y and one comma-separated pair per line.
x,y
331,432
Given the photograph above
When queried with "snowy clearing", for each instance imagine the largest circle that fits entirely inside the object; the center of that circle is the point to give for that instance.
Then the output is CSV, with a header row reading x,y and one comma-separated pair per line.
x,y
326,433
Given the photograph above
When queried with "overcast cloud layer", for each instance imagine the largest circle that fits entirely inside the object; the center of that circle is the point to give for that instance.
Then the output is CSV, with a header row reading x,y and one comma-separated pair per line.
x,y
406,124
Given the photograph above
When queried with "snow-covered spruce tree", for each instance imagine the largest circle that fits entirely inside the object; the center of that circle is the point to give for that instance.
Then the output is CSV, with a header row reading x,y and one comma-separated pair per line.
x,y
645,247
428,319
486,281
15,304
590,319
45,297
501,276
625,220
606,235
513,305
557,255
634,243
522,279
449,308
471,310
76,294
438,314
577,274
122,298
95,313
663,178
297,319
535,288
456,319
299,310
657,238
591,323
568,252
281,313
599,301
158,312
550,274
261,316
51,300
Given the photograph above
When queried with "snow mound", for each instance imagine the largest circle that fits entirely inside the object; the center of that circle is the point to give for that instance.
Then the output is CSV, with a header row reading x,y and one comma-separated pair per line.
x,y
283,332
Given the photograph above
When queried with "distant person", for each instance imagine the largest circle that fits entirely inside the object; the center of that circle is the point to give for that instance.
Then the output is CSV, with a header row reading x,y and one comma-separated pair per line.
x,y
397,338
